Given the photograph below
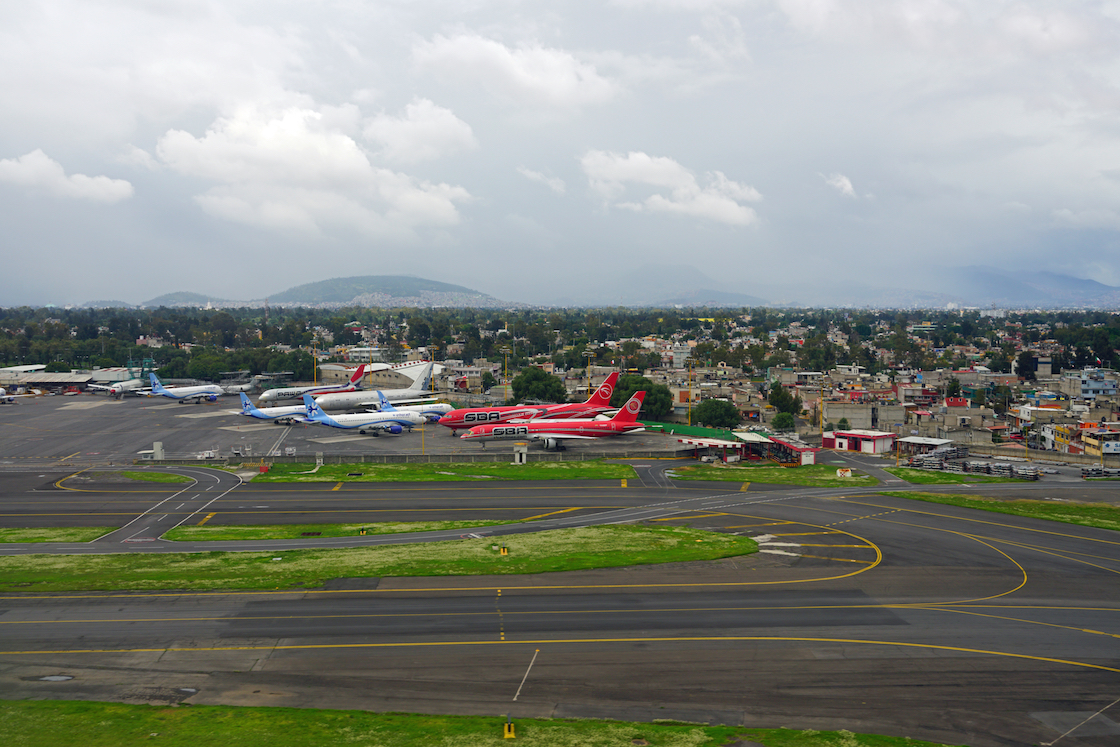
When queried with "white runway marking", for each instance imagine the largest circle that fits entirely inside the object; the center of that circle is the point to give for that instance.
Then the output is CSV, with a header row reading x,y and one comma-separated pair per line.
x,y
219,413
83,405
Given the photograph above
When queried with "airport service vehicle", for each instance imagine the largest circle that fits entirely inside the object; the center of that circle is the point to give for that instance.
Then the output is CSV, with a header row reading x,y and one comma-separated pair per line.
x,y
207,392
352,400
431,412
552,433
284,415
295,392
364,422
597,404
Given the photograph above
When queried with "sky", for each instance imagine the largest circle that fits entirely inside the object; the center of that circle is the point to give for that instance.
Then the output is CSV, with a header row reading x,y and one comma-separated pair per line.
x,y
554,153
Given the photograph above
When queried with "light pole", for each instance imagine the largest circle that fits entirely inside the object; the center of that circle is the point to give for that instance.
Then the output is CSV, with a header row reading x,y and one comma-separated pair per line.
x,y
505,371
690,390
588,354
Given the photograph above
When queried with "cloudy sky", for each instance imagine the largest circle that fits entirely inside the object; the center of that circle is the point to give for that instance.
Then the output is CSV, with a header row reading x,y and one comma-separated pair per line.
x,y
550,152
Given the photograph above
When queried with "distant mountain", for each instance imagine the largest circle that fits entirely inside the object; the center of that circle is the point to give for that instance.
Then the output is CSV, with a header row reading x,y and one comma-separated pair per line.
x,y
106,305
384,290
708,297
990,286
183,298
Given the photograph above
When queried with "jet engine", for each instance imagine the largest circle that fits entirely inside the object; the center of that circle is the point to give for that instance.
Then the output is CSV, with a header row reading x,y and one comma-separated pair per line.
x,y
395,429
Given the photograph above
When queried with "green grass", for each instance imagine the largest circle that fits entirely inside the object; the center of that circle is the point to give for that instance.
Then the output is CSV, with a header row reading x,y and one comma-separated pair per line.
x,y
53,534
39,723
927,477
156,476
1099,515
813,475
295,531
541,552
447,472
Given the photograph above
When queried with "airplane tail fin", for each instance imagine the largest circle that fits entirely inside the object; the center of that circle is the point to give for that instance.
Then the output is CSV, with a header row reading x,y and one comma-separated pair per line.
x,y
246,405
314,412
425,381
602,396
357,377
629,411
385,405
156,385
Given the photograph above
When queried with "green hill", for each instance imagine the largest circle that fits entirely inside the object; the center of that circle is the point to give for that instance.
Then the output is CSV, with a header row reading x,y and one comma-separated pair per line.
x,y
344,290
182,298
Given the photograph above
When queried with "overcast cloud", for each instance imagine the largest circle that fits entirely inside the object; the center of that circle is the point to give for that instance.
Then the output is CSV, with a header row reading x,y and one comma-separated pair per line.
x,y
776,146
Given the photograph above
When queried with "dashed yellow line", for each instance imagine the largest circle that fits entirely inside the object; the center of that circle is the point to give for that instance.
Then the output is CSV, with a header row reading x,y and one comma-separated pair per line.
x,y
538,642
336,487
206,518
623,482
696,516
552,513
743,487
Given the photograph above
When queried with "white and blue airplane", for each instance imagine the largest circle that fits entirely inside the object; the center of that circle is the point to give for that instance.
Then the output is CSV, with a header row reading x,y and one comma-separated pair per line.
x,y
365,422
280,415
431,412
418,392
208,392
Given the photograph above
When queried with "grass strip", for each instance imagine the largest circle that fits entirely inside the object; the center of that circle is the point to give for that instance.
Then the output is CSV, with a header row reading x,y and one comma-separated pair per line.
x,y
156,476
446,472
211,533
928,477
39,723
52,534
573,549
813,475
1099,515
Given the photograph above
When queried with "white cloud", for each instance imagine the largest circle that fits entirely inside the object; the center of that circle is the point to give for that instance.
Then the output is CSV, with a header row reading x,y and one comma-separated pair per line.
x,y
530,73
39,171
289,169
555,184
612,175
840,183
425,132
1089,218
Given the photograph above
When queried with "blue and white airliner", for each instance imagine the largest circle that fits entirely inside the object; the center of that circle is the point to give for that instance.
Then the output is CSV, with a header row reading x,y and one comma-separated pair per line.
x,y
431,412
207,392
286,415
394,421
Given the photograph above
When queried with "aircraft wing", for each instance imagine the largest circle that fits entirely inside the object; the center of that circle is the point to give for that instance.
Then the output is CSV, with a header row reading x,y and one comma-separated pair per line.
x,y
557,436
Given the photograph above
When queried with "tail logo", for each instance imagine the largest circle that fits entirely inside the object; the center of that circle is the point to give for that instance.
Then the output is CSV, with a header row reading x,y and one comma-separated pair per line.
x,y
605,391
633,406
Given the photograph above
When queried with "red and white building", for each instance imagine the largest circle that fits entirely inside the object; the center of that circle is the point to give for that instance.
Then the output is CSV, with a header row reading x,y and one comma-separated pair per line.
x,y
865,442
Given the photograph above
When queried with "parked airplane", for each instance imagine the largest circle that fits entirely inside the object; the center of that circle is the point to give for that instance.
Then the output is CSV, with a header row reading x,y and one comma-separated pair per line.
x,y
295,392
208,392
10,399
431,412
285,415
119,389
420,391
371,422
551,432
596,404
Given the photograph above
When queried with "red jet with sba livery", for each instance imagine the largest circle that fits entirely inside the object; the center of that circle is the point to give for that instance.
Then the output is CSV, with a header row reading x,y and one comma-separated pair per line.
x,y
552,432
597,404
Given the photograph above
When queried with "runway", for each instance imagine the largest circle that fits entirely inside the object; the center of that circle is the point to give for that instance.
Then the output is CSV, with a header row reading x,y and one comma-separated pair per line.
x,y
862,611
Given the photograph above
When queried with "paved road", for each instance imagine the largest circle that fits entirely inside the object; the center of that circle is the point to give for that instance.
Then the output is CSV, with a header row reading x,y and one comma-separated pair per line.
x,y
862,611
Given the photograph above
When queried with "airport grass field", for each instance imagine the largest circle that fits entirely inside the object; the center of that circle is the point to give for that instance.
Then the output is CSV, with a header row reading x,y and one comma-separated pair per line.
x,y
446,472
556,550
1099,515
814,475
39,723
297,531
928,477
53,534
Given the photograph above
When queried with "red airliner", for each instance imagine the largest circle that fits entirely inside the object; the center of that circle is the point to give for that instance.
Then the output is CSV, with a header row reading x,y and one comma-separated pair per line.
x,y
551,431
596,404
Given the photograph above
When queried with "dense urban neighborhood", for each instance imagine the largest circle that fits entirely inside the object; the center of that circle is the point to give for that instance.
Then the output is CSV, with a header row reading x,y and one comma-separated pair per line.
x,y
987,377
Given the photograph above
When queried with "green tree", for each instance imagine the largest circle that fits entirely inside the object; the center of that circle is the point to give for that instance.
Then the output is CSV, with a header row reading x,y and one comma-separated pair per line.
x,y
716,413
57,367
953,389
1026,365
781,399
488,380
843,424
658,400
783,421
534,383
